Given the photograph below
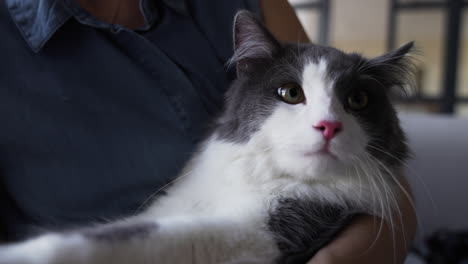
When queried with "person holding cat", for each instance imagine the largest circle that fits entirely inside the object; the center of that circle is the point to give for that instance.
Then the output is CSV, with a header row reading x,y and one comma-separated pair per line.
x,y
102,101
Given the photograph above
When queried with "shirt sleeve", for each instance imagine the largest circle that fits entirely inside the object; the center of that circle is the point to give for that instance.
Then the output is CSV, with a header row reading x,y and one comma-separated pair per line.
x,y
215,19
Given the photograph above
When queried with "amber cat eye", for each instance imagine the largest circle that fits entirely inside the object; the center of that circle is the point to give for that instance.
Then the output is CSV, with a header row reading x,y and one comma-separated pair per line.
x,y
358,100
291,93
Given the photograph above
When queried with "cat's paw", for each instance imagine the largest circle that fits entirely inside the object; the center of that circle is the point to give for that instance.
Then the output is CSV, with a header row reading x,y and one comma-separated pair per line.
x,y
35,251
10,254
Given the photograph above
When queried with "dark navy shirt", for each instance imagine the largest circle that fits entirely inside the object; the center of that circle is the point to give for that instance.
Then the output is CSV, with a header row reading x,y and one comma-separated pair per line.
x,y
96,117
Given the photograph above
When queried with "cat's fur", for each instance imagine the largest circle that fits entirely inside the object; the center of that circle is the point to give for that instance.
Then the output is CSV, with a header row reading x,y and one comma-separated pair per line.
x,y
260,190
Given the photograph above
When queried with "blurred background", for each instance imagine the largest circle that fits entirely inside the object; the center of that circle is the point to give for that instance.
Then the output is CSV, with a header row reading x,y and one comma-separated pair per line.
x,y
435,114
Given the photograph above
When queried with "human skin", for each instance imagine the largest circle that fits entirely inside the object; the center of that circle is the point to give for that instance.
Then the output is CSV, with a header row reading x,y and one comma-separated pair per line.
x,y
361,241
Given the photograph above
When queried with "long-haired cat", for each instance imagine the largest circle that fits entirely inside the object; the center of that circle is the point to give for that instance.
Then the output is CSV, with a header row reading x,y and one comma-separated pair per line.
x,y
308,138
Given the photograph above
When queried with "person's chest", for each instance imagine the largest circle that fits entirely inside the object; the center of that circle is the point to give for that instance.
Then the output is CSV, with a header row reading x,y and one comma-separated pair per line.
x,y
106,116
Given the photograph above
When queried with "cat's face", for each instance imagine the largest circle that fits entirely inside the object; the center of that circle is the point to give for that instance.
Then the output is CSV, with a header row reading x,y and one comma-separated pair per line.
x,y
316,110
317,133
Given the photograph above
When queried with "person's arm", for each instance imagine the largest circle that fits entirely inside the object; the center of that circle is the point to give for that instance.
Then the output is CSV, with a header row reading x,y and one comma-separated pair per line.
x,y
280,18
351,245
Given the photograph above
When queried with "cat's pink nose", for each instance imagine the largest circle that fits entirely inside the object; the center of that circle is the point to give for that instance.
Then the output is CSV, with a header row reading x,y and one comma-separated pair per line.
x,y
329,128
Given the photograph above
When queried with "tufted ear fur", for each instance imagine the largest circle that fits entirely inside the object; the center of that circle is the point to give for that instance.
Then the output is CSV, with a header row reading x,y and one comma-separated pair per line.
x,y
253,43
396,55
395,68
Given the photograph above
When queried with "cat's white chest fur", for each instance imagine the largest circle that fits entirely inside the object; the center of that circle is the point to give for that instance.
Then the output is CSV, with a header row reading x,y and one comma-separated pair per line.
x,y
222,181
225,189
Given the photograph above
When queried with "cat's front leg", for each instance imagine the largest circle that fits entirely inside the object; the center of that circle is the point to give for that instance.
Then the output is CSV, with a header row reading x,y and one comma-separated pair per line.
x,y
175,240
47,249
112,243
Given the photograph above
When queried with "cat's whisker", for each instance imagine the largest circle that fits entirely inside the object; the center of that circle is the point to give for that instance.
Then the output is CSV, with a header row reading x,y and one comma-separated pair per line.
x,y
392,204
378,174
413,172
359,178
393,177
159,190
374,187
390,201
355,163
362,166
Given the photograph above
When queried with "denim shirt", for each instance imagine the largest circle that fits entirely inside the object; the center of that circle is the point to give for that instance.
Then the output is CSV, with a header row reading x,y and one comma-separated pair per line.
x,y
96,117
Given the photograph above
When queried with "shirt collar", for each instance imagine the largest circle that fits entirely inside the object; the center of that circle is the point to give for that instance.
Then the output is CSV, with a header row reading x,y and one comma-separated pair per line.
x,y
38,20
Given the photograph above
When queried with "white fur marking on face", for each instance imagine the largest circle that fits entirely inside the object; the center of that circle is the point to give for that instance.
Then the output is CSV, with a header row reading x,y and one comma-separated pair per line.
x,y
319,92
295,142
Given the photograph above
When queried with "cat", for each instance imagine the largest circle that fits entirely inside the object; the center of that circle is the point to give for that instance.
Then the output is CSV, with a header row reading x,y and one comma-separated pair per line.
x,y
308,139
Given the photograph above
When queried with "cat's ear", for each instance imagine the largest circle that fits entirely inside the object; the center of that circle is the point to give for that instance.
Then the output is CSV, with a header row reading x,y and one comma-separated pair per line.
x,y
252,42
395,68
396,55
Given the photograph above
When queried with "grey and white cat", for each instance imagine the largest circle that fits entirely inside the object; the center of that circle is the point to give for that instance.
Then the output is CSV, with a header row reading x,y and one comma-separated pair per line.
x,y
308,138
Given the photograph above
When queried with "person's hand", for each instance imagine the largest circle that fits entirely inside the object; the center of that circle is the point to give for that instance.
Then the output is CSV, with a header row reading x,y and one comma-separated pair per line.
x,y
361,242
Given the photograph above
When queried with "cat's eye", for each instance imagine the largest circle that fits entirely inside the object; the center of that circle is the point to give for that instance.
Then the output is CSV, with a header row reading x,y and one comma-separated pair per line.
x,y
358,100
291,93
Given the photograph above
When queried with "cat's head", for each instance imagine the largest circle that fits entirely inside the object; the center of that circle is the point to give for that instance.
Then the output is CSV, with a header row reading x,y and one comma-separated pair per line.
x,y
315,110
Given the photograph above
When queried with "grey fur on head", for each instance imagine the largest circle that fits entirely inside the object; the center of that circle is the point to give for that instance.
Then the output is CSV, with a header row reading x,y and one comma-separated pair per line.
x,y
264,64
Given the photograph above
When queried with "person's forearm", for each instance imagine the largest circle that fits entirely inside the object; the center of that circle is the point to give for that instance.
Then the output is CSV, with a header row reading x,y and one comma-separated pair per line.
x,y
362,243
279,17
